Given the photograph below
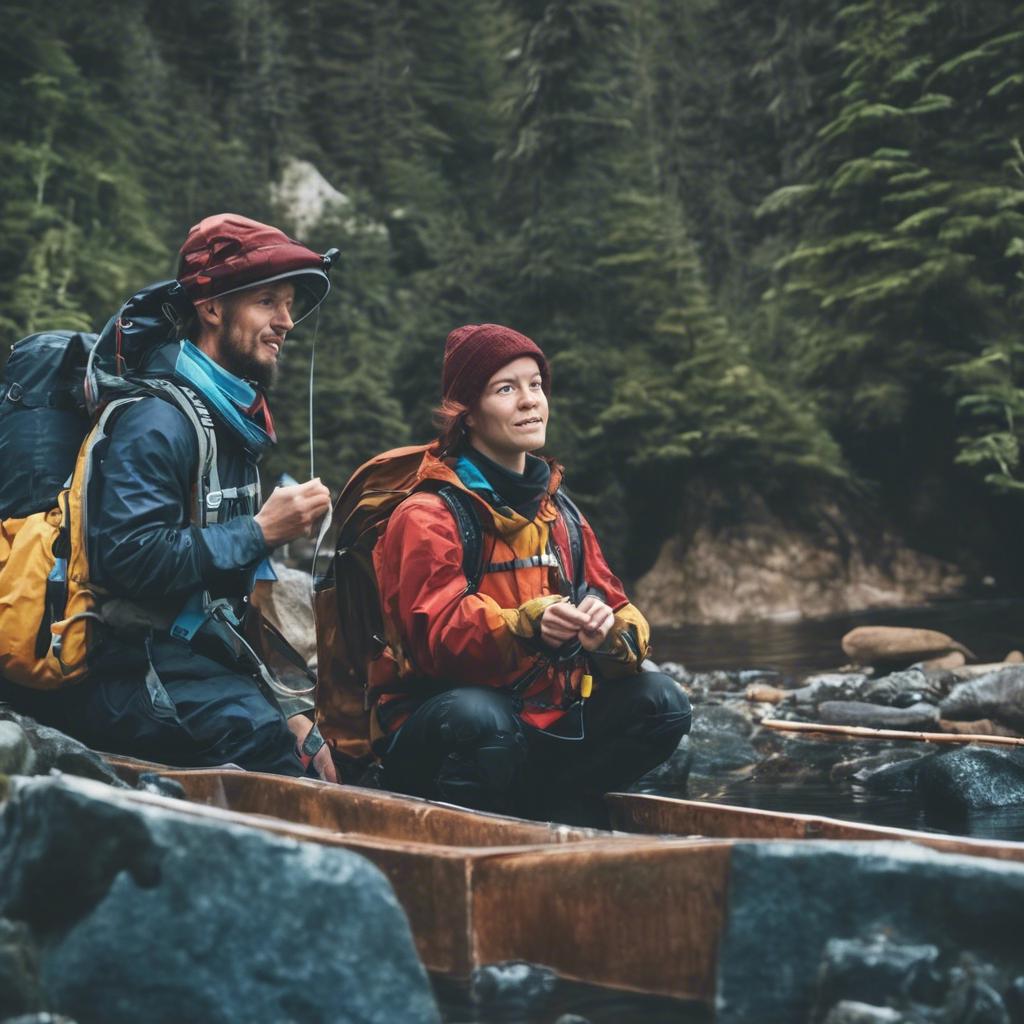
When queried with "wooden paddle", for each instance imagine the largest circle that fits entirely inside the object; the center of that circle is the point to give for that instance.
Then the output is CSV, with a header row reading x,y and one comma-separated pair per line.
x,y
889,734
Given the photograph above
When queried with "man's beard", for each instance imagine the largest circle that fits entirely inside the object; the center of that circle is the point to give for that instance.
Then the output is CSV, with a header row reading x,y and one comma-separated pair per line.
x,y
242,363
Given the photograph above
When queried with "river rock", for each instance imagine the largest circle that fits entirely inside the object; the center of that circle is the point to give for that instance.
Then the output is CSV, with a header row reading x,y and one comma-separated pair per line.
x,y
878,968
954,783
802,894
38,1018
902,689
851,1012
897,645
973,1001
53,749
999,696
230,923
671,774
675,671
955,659
511,990
20,988
762,693
720,740
860,768
981,727
879,716
829,686
898,777
16,754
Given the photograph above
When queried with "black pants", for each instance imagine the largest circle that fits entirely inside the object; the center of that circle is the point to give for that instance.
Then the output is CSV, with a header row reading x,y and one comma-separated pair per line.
x,y
469,746
193,712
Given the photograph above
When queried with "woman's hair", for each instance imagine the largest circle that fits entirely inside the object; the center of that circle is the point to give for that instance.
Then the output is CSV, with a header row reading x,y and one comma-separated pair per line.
x,y
450,420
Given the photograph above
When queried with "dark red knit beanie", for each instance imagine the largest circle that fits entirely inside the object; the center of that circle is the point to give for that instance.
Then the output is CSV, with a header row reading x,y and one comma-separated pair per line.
x,y
474,353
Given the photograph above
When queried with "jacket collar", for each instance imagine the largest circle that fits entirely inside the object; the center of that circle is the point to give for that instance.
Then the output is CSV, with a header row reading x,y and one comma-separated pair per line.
x,y
435,469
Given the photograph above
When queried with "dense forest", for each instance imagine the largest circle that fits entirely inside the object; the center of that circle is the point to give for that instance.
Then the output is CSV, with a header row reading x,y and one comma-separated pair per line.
x,y
773,249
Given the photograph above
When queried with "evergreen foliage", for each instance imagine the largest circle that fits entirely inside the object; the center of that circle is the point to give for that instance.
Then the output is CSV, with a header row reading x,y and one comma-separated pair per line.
x,y
773,247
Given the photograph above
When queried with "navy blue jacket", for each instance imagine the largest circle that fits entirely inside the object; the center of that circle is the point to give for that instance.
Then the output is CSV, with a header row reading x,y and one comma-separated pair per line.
x,y
142,543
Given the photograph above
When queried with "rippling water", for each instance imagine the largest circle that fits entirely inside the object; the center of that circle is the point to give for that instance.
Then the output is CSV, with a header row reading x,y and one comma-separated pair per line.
x,y
991,629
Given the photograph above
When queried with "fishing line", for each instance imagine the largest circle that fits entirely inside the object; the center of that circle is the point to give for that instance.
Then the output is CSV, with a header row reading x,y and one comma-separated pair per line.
x,y
312,366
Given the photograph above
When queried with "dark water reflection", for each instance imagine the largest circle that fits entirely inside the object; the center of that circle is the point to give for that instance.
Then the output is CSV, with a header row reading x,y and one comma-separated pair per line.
x,y
796,649
989,628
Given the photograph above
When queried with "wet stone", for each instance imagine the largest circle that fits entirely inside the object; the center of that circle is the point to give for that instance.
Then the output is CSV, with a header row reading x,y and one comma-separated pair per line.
x,y
899,777
669,775
54,750
20,988
952,783
878,716
829,686
16,754
851,1012
877,968
858,769
999,695
150,782
676,671
236,923
511,990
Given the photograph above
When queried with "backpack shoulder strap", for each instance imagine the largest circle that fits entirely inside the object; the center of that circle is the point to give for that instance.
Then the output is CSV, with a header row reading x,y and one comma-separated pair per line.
x,y
467,519
208,496
573,519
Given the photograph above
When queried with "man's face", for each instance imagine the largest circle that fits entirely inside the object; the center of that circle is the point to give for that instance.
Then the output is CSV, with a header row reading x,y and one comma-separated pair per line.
x,y
252,331
511,416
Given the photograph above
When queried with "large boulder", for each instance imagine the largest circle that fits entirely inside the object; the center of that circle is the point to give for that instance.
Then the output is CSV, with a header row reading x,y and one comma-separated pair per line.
x,y
210,920
52,749
999,695
788,900
955,783
897,646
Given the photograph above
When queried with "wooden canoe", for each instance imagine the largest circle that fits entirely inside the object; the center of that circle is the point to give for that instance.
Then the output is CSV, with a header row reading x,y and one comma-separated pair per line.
x,y
640,909
640,913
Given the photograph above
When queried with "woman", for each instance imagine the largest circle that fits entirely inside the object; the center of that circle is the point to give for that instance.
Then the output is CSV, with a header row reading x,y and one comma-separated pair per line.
x,y
525,694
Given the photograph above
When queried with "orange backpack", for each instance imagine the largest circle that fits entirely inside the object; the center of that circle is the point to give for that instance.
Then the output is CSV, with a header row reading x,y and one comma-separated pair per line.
x,y
346,600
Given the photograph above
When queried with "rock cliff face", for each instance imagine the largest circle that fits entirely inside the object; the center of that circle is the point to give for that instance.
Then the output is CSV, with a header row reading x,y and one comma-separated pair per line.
x,y
759,566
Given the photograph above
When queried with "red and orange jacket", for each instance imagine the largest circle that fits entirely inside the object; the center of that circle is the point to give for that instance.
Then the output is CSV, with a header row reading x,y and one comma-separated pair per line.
x,y
439,635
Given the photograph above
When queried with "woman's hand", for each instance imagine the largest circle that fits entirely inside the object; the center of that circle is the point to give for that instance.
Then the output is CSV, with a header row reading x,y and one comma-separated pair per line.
x,y
589,623
599,620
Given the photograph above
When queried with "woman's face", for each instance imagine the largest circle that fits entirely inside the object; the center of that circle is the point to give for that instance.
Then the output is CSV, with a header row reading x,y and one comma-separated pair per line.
x,y
511,417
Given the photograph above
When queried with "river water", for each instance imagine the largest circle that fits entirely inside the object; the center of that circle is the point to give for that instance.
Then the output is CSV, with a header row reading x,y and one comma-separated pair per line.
x,y
991,629
796,649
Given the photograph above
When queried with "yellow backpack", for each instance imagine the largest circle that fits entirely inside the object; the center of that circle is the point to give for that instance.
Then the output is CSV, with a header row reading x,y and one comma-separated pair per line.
x,y
49,608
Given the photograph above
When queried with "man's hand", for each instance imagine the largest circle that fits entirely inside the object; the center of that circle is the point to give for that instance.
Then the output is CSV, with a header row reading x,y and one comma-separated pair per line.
x,y
599,620
293,512
323,763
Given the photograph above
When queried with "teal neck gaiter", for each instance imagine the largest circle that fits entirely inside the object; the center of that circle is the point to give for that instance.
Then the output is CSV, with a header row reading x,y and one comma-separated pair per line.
x,y
231,398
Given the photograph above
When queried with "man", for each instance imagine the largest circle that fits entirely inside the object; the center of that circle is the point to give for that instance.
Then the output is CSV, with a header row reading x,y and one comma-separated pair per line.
x,y
170,680
526,695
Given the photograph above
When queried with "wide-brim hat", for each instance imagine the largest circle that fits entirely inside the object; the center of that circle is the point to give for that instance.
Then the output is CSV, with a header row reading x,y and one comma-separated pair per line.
x,y
227,253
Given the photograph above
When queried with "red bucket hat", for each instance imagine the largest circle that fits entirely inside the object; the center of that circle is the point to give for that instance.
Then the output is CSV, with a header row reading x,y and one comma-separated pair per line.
x,y
228,253
474,353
